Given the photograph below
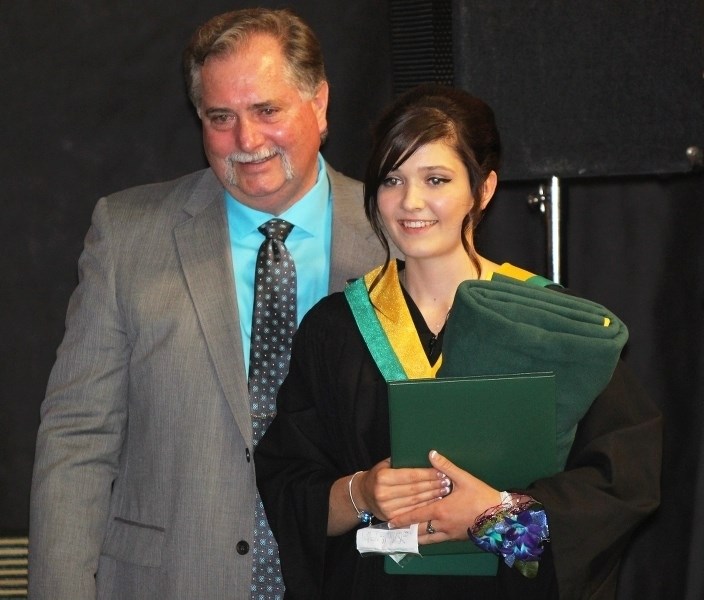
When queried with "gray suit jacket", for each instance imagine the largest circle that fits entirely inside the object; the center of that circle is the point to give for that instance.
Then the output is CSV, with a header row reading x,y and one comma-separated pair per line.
x,y
144,471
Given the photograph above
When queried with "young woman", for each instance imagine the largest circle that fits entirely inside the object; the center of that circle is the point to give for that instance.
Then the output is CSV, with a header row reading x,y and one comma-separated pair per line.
x,y
323,466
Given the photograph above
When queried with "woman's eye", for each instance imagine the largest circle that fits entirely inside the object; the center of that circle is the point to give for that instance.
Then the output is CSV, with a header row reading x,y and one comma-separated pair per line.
x,y
391,181
437,180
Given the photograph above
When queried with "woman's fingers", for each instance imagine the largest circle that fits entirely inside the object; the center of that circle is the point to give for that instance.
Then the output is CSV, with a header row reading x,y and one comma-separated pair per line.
x,y
419,514
425,538
445,465
392,491
457,511
402,497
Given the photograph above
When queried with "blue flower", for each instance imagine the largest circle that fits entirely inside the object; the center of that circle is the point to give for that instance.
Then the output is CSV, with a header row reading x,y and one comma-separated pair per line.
x,y
517,538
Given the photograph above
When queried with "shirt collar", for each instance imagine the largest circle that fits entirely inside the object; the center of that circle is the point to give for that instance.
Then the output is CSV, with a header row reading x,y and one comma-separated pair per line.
x,y
307,215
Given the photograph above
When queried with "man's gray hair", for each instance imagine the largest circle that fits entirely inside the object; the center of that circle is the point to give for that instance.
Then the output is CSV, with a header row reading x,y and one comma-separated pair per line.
x,y
226,33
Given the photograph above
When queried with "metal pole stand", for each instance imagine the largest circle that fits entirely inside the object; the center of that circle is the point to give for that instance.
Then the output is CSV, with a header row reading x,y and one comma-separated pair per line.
x,y
549,204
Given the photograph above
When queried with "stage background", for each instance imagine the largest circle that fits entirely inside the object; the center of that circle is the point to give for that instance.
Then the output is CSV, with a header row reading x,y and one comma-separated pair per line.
x,y
92,101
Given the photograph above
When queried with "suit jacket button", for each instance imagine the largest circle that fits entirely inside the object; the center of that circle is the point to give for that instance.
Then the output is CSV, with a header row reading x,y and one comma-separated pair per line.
x,y
242,547
247,455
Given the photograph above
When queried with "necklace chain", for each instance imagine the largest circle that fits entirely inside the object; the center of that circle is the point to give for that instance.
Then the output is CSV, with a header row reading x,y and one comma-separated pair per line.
x,y
402,279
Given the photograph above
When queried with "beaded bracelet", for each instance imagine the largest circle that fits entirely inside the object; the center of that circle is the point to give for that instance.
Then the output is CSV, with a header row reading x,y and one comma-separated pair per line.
x,y
364,516
515,531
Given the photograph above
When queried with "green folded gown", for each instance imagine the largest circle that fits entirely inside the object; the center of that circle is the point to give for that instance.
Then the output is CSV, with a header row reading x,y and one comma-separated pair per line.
x,y
507,326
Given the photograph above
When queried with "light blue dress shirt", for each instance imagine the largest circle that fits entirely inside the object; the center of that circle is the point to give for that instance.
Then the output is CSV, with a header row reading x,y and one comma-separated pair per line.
x,y
309,243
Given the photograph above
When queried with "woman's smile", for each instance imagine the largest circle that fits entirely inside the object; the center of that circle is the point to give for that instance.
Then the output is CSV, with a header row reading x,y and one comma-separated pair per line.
x,y
417,224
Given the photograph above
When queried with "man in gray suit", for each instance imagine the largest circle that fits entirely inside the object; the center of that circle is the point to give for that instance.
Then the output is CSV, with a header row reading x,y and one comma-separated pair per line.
x,y
144,483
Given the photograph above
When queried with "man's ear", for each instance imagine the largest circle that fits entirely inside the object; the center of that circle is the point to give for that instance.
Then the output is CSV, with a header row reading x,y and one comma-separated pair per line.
x,y
320,106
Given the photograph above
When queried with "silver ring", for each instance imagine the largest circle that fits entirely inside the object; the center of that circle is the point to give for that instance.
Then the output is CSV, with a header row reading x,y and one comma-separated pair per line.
x,y
430,528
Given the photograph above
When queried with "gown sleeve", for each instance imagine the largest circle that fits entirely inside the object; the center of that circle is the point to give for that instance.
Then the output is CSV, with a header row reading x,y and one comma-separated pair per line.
x,y
325,408
610,484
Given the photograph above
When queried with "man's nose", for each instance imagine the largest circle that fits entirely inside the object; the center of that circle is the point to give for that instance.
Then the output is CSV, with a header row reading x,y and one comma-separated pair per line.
x,y
249,135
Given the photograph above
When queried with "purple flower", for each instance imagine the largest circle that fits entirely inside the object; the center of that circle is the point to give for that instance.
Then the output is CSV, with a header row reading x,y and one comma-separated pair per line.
x,y
518,538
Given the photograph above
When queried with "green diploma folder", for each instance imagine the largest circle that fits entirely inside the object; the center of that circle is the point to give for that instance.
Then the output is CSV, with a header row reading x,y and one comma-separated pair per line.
x,y
500,428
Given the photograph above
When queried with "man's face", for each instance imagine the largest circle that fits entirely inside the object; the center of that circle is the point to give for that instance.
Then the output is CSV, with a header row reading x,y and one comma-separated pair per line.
x,y
260,136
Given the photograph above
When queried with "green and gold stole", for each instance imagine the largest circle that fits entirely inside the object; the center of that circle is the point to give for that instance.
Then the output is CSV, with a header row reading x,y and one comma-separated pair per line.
x,y
387,327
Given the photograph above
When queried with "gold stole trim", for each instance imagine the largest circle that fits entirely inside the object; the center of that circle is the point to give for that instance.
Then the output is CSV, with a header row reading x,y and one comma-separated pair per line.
x,y
396,321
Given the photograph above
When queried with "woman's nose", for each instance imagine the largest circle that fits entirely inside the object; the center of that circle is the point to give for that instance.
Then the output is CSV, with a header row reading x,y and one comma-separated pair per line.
x,y
412,198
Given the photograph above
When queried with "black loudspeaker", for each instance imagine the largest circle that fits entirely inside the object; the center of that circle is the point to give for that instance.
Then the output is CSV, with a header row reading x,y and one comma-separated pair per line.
x,y
585,89
421,42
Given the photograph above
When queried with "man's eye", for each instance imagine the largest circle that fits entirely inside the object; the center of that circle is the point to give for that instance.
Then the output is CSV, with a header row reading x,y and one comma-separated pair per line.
x,y
222,121
268,111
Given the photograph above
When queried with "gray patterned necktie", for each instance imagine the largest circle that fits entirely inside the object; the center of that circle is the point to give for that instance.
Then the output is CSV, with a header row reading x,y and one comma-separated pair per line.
x,y
273,326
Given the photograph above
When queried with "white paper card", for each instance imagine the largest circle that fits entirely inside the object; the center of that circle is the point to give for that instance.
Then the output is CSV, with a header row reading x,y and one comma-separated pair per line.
x,y
379,539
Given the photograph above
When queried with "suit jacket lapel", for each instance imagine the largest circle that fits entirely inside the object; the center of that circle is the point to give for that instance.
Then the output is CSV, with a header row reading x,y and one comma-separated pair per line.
x,y
204,250
203,246
355,249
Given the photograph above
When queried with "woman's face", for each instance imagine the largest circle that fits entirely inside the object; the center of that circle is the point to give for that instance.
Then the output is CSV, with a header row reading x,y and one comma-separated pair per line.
x,y
424,201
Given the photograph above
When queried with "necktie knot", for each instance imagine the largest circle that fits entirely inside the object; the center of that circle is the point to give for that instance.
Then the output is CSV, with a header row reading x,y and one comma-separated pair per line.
x,y
276,229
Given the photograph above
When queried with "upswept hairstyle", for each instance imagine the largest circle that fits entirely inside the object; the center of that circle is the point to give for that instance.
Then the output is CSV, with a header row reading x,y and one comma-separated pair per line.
x,y
224,34
429,113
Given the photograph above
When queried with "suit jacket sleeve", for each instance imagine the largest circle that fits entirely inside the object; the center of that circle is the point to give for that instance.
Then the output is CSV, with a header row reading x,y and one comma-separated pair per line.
x,y
83,420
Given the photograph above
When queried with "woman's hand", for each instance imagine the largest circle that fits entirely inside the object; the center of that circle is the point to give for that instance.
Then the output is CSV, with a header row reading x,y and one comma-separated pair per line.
x,y
452,514
384,492
388,493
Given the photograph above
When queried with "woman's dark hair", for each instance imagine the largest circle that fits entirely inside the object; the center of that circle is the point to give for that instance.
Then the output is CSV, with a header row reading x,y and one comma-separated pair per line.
x,y
430,113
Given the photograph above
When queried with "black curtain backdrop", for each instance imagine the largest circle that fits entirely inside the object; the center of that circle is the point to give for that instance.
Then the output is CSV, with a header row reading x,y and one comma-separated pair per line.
x,y
587,89
93,101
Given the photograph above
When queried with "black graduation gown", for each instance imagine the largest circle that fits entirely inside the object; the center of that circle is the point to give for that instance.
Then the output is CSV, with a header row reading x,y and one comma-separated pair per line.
x,y
333,421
